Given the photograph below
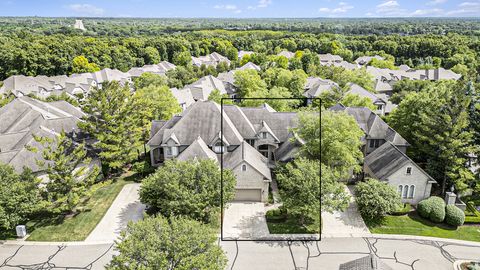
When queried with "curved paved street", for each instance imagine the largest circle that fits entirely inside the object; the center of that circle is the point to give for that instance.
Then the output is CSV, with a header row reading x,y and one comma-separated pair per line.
x,y
327,254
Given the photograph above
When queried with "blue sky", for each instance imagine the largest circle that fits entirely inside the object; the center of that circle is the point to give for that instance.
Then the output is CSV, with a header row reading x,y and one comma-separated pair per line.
x,y
241,8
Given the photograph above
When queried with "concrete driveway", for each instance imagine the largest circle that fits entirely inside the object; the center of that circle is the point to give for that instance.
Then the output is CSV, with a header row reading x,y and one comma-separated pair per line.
x,y
126,207
245,221
348,223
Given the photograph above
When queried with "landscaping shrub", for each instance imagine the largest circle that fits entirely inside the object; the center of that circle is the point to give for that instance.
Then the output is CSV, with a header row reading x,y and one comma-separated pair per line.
x,y
454,216
424,208
375,199
437,214
433,209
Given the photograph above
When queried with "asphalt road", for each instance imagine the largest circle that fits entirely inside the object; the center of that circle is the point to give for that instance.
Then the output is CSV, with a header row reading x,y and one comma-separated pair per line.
x,y
245,255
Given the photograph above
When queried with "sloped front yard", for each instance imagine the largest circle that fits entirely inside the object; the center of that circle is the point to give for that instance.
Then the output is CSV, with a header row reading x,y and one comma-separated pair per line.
x,y
412,224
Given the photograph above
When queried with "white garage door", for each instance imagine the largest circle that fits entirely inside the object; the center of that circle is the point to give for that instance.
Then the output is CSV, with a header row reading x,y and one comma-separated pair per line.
x,y
250,195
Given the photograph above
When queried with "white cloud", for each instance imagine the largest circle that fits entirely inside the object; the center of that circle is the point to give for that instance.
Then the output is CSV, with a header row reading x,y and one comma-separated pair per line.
x,y
466,9
261,4
428,12
341,8
226,7
86,9
390,8
435,2
232,8
264,3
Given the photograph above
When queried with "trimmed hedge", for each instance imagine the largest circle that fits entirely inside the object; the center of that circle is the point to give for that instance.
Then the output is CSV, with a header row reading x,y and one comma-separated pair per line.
x,y
405,209
454,216
433,209
473,215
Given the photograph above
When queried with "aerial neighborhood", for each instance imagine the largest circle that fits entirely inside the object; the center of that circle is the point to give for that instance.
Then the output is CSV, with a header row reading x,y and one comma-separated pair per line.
x,y
178,141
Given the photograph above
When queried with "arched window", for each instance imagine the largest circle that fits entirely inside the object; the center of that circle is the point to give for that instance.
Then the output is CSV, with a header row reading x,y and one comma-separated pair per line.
x,y
244,168
405,191
400,189
412,192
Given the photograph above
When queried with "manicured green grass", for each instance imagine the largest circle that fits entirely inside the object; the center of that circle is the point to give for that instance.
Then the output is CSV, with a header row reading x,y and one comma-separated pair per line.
x,y
77,228
412,224
280,224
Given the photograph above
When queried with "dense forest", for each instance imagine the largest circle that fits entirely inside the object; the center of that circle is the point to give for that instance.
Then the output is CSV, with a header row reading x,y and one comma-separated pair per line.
x,y
47,46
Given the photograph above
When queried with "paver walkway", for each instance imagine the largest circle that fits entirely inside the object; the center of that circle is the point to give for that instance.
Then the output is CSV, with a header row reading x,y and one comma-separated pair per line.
x,y
126,207
348,223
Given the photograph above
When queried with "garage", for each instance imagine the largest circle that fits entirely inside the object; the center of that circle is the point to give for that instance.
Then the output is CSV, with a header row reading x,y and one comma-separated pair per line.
x,y
249,195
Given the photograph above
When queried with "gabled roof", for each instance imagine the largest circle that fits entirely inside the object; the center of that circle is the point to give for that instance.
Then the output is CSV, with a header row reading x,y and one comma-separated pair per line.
x,y
246,153
287,54
372,125
183,96
243,53
315,86
200,119
198,149
330,57
202,88
266,128
388,159
249,65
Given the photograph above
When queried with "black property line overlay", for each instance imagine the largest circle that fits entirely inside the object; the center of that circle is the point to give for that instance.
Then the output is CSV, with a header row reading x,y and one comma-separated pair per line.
x,y
305,100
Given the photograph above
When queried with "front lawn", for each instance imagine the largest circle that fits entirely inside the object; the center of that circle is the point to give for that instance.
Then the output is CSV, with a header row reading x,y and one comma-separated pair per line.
x,y
77,228
278,223
412,224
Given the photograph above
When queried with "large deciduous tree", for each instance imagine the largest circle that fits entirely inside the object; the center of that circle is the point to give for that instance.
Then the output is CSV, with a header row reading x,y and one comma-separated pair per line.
x,y
375,199
190,188
176,244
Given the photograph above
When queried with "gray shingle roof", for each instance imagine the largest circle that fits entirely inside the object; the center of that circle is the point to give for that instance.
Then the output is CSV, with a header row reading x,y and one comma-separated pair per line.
x,y
246,153
198,149
202,88
388,159
372,125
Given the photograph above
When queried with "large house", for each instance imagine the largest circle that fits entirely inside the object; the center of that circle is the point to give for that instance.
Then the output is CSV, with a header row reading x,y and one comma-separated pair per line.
x,y
212,59
380,101
25,117
385,156
251,141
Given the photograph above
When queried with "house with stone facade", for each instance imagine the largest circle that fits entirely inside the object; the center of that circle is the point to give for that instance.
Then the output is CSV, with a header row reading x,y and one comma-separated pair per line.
x,y
385,156
249,141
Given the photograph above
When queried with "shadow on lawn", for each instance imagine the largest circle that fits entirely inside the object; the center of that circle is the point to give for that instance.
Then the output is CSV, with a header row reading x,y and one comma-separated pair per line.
x,y
414,216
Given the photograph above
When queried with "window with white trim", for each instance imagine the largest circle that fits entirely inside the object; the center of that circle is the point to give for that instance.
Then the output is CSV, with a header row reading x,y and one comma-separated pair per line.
x,y
400,190
244,168
411,194
264,135
409,170
405,192
219,147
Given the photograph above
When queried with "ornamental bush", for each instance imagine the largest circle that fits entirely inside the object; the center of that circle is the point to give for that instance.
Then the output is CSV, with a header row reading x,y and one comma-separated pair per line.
x,y
454,216
433,209
424,208
437,214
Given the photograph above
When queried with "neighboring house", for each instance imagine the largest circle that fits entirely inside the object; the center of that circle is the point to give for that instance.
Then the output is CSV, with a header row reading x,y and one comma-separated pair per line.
x,y
241,54
202,88
252,140
380,101
315,86
212,59
287,54
228,78
388,163
25,117
184,97
385,156
329,59
159,69
365,60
